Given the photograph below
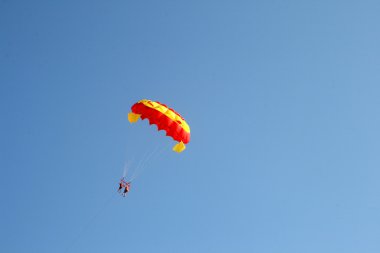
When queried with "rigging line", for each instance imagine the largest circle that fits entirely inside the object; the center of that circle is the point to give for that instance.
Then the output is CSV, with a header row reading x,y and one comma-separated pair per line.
x,y
147,152
148,157
127,165
89,222
143,166
159,149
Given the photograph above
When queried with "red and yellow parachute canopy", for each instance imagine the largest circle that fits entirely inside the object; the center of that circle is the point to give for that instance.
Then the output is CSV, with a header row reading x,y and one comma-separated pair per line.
x,y
165,118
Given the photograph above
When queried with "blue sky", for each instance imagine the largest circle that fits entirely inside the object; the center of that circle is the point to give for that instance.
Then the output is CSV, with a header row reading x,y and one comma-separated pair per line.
x,y
282,98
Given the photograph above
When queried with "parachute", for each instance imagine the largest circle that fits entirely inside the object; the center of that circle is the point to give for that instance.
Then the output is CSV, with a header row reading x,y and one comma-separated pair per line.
x,y
165,118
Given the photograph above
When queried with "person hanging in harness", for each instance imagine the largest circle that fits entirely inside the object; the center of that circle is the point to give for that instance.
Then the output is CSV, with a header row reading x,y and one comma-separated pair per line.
x,y
126,188
122,184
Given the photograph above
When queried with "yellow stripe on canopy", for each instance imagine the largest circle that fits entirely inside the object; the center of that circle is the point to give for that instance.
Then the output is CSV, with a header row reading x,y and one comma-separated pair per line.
x,y
167,112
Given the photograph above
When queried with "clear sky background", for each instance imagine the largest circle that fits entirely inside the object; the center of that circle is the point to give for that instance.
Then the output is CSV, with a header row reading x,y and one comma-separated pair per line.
x,y
283,102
